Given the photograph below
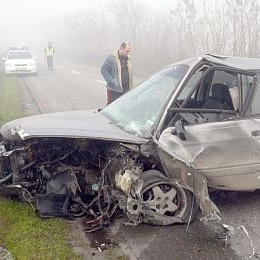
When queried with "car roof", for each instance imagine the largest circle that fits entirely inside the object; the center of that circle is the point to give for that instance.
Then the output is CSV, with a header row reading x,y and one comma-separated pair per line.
x,y
243,63
18,48
19,51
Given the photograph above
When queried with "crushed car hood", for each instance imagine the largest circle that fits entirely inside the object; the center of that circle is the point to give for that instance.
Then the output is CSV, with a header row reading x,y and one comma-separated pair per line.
x,y
73,124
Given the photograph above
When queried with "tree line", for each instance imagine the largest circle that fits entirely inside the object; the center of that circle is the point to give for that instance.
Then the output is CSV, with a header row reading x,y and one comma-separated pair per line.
x,y
162,36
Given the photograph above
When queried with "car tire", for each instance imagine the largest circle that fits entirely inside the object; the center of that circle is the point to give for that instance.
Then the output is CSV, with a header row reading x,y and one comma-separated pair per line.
x,y
167,198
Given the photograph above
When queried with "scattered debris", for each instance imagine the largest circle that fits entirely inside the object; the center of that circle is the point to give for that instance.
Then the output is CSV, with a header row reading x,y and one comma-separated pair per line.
x,y
5,254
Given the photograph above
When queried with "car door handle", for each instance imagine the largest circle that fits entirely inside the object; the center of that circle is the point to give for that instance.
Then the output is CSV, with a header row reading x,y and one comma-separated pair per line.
x,y
255,133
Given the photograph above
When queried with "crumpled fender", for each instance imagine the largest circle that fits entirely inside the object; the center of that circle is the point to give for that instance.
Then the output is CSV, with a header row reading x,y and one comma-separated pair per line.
x,y
183,173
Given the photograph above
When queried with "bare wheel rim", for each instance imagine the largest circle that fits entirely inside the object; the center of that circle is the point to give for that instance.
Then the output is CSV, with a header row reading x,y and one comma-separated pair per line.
x,y
165,198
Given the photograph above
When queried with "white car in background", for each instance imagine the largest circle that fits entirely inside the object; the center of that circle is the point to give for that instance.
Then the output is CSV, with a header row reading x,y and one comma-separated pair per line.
x,y
20,61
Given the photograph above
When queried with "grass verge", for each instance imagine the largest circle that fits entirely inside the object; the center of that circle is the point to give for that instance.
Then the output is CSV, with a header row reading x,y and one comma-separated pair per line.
x,y
22,232
27,236
11,105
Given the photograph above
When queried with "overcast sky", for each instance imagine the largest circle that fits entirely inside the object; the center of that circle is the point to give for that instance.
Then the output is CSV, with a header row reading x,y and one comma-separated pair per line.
x,y
28,21
61,6
31,22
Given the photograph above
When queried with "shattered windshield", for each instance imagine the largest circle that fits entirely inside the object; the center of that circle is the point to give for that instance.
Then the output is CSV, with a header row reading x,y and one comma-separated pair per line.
x,y
137,111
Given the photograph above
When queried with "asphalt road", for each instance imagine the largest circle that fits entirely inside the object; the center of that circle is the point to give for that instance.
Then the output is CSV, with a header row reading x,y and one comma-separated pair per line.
x,y
73,86
70,86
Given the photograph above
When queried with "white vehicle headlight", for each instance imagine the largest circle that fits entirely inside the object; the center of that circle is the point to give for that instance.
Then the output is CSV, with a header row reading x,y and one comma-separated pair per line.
x,y
8,65
31,64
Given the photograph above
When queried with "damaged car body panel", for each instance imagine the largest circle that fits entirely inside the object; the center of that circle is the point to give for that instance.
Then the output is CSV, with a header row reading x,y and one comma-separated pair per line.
x,y
212,133
221,151
77,124
155,153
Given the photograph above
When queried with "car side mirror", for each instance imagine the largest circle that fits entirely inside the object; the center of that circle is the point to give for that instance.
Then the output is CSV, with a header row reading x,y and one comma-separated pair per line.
x,y
2,58
179,130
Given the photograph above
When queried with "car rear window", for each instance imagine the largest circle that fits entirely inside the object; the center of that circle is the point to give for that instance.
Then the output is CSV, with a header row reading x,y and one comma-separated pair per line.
x,y
19,55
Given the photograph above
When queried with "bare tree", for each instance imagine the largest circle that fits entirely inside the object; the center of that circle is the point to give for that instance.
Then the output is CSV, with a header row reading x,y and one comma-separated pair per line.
x,y
244,17
185,16
128,18
160,37
214,28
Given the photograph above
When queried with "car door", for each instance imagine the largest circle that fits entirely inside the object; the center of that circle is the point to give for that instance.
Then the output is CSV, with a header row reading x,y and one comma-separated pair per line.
x,y
222,146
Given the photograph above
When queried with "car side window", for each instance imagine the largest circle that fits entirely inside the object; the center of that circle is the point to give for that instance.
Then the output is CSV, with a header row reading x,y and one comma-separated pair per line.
x,y
218,89
255,107
213,91
224,88
190,86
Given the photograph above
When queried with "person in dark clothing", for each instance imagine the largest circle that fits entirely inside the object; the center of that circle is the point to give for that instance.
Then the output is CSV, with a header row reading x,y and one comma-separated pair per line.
x,y
117,72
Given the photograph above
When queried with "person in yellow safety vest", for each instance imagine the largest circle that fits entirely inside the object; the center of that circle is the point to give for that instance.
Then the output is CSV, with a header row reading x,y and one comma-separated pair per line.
x,y
49,53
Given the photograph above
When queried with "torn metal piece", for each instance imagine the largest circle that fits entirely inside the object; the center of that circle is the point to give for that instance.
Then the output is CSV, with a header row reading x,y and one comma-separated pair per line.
x,y
134,211
214,222
190,178
151,217
6,178
200,189
59,189
63,182
6,154
5,254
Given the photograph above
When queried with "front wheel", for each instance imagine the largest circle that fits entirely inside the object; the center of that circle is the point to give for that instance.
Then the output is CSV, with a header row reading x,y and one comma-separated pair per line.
x,y
169,202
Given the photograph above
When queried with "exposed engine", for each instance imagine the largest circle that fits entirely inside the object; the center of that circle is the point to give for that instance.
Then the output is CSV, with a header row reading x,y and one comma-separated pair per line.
x,y
75,177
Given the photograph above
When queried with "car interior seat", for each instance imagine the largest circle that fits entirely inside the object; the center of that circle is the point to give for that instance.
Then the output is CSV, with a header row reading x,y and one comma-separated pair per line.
x,y
220,98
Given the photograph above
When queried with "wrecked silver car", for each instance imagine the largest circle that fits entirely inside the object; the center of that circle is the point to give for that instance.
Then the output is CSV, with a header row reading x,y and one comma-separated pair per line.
x,y
155,153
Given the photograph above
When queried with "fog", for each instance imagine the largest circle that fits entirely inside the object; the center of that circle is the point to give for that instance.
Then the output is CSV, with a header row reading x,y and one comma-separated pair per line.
x,y
161,32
